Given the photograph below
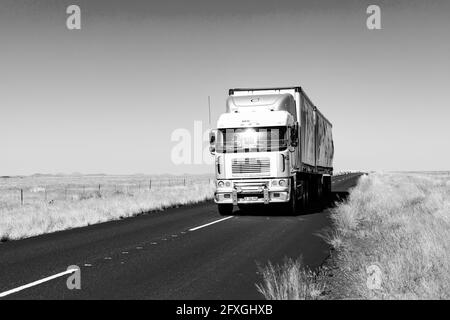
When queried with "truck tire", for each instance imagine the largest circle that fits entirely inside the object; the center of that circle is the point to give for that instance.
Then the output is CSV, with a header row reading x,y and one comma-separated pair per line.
x,y
327,187
313,188
292,205
225,209
319,186
305,195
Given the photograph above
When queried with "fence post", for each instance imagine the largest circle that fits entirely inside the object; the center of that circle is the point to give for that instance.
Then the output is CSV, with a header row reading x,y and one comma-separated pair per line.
x,y
65,193
45,194
150,185
21,197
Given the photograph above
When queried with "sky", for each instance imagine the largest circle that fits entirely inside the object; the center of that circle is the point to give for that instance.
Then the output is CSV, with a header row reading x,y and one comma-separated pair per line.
x,y
107,98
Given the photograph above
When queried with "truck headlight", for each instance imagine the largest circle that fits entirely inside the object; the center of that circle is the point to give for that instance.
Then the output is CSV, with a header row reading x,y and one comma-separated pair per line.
x,y
274,182
228,184
282,183
220,184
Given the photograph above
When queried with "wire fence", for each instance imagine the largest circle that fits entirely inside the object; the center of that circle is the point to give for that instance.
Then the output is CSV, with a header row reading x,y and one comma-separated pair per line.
x,y
83,191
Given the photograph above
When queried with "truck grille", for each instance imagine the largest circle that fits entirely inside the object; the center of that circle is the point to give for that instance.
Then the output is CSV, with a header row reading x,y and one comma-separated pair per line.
x,y
250,166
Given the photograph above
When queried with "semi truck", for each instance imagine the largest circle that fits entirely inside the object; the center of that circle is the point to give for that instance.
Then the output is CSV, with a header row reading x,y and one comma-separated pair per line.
x,y
272,146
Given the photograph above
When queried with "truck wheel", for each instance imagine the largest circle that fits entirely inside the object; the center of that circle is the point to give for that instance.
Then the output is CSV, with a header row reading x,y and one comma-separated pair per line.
x,y
305,195
319,188
327,186
225,209
292,205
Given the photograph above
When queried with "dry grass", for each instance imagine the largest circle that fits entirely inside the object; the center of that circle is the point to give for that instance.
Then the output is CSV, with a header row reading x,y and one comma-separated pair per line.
x,y
291,281
37,216
399,222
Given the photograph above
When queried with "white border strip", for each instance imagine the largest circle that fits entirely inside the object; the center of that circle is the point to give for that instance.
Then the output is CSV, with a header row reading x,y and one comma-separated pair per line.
x,y
35,283
208,224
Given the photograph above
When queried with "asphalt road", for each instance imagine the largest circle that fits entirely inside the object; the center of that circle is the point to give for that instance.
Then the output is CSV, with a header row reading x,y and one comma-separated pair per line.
x,y
156,256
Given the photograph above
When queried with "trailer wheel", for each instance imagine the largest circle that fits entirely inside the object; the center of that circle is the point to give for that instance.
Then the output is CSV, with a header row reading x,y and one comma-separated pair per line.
x,y
305,195
225,209
320,192
327,186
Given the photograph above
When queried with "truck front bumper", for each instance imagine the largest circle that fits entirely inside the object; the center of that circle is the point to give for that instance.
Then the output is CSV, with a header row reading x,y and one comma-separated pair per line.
x,y
263,194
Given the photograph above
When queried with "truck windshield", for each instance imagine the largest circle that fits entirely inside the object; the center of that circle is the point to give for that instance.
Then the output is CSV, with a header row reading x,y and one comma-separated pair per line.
x,y
236,140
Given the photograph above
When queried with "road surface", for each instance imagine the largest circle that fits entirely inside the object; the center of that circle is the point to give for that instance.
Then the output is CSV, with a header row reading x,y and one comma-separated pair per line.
x,y
181,253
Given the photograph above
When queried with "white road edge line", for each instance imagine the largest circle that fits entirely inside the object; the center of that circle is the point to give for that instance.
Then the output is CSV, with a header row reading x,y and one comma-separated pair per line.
x,y
35,283
208,224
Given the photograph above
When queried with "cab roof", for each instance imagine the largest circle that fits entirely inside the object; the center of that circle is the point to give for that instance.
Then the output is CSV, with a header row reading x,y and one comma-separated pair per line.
x,y
261,103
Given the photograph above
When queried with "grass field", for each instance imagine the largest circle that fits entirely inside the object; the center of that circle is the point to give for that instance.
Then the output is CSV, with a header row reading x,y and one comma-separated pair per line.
x,y
390,240
31,206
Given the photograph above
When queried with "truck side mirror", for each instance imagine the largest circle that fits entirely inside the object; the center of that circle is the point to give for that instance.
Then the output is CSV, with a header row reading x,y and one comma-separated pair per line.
x,y
212,141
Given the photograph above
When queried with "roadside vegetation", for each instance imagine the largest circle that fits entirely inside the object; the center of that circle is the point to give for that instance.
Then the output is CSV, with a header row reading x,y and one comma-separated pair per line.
x,y
290,281
58,203
390,240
